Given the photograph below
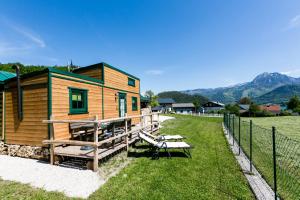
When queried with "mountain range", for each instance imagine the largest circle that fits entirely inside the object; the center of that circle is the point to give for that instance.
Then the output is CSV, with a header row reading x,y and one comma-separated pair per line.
x,y
264,88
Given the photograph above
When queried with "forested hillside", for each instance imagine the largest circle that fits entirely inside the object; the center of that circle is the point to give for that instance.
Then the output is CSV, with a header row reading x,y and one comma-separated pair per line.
x,y
28,68
180,97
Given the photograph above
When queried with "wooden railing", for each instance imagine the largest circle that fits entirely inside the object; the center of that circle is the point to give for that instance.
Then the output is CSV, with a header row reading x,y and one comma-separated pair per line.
x,y
52,142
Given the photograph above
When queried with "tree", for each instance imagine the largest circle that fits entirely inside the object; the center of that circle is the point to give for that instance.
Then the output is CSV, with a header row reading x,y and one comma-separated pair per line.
x,y
153,101
232,109
245,100
293,103
153,98
253,109
149,94
196,104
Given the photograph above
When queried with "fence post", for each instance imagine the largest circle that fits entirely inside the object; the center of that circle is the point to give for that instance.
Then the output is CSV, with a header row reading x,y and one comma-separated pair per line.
x,y
274,161
233,130
239,135
250,145
229,124
96,152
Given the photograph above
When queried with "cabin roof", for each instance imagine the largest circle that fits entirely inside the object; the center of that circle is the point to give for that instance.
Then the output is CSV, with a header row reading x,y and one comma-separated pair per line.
x,y
53,70
107,65
145,99
4,75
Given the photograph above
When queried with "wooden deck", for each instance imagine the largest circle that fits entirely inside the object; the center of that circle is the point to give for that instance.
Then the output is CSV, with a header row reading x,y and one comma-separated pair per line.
x,y
75,151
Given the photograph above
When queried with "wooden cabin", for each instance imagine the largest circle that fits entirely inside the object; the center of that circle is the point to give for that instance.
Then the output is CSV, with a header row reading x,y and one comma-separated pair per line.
x,y
99,89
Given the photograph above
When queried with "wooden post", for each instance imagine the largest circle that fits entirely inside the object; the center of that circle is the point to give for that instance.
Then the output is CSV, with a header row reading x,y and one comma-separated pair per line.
x,y
151,121
51,139
113,135
158,123
96,141
126,131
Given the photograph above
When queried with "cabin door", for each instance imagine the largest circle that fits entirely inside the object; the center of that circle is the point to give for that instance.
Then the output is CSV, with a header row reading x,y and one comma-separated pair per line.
x,y
122,105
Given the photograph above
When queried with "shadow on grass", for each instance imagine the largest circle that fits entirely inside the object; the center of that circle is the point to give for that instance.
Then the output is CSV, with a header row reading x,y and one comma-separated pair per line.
x,y
162,154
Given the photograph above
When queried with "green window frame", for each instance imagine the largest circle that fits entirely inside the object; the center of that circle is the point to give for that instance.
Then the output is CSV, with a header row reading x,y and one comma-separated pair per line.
x,y
134,103
131,82
78,101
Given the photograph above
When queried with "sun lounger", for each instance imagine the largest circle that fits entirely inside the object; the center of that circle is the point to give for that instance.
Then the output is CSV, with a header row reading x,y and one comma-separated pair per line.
x,y
158,145
163,137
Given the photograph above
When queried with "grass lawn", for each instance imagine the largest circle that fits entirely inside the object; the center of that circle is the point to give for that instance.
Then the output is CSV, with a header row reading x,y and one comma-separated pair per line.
x,y
287,125
212,173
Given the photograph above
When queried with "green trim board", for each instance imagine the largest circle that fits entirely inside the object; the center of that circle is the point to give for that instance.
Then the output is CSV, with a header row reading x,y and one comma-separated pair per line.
x,y
107,65
70,79
76,80
125,91
57,71
78,101
49,100
75,75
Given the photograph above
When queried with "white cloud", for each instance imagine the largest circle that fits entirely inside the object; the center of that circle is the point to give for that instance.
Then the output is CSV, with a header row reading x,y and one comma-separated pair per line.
x,y
25,32
294,22
155,72
294,72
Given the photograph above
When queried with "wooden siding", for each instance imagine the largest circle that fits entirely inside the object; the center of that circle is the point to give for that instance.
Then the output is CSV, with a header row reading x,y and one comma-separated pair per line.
x,y
119,80
31,130
111,104
1,112
130,112
93,73
61,107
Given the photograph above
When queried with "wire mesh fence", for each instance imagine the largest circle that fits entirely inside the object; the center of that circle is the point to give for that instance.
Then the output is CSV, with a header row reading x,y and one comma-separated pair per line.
x,y
275,156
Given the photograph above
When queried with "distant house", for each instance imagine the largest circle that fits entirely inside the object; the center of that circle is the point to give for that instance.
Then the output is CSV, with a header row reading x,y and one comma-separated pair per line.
x,y
273,108
165,102
157,109
212,106
244,108
165,105
183,108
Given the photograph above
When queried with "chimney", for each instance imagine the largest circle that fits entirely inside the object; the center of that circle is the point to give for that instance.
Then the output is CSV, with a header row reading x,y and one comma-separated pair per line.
x,y
17,68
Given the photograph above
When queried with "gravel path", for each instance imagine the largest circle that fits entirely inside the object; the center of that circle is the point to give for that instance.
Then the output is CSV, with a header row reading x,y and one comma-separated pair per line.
x,y
72,182
163,118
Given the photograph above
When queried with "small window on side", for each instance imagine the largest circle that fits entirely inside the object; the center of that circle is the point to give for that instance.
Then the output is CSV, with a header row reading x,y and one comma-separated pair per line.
x,y
78,101
131,81
134,104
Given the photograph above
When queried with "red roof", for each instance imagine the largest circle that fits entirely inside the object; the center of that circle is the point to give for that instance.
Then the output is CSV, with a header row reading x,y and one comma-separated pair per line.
x,y
271,108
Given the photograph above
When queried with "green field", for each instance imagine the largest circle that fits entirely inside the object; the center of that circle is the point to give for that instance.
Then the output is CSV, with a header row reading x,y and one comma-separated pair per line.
x,y
287,125
212,173
287,144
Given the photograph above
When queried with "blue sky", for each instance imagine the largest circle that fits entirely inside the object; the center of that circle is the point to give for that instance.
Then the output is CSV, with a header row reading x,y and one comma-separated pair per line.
x,y
169,44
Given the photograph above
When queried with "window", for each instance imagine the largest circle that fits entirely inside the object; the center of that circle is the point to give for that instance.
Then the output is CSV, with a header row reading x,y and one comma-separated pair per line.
x,y
131,82
134,104
78,101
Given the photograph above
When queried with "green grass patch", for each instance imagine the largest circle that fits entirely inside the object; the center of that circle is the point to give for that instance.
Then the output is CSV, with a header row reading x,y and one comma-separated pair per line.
x,y
212,173
286,125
